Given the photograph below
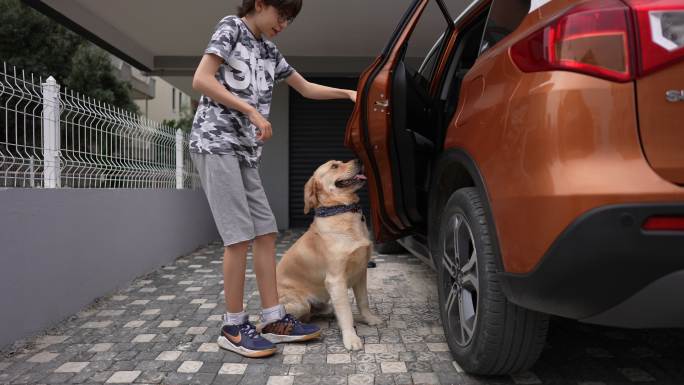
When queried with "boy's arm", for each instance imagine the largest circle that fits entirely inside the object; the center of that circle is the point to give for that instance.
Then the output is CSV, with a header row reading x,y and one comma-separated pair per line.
x,y
205,82
316,91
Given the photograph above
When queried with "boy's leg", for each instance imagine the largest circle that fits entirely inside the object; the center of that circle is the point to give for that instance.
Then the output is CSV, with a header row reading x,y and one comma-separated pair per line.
x,y
277,325
234,266
237,333
265,269
266,230
221,180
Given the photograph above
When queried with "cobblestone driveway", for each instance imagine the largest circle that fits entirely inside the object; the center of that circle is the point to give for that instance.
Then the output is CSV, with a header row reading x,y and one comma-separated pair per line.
x,y
162,329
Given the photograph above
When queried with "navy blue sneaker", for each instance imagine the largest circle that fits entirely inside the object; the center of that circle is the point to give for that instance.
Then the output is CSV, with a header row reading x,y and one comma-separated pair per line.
x,y
289,329
245,340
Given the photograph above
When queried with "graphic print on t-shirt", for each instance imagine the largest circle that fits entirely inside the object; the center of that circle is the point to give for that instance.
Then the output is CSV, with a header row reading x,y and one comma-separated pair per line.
x,y
249,70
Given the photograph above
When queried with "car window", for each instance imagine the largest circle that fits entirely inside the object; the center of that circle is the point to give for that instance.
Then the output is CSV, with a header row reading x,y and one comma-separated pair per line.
x,y
462,58
421,53
428,65
504,17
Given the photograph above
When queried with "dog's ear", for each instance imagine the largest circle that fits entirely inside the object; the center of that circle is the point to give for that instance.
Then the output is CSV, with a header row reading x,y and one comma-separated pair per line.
x,y
310,195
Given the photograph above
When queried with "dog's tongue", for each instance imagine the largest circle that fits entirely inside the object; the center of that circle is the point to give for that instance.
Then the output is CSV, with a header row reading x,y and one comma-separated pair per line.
x,y
360,176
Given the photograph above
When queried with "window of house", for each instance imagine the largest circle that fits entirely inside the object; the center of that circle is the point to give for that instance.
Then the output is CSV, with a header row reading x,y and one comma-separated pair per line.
x,y
173,99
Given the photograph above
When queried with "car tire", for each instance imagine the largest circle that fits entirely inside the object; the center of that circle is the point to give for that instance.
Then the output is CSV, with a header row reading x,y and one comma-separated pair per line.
x,y
485,332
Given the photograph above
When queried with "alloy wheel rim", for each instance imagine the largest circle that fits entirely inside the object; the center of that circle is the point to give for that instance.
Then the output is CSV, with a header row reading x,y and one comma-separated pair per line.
x,y
460,282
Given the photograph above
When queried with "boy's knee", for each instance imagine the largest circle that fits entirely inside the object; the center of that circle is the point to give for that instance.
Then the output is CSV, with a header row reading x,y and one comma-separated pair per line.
x,y
237,246
267,237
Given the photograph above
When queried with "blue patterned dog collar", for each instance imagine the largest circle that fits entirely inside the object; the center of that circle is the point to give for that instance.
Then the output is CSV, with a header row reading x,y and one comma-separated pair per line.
x,y
339,209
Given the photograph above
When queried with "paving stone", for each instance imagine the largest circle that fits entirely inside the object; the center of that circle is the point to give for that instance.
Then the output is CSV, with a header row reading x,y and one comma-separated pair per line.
x,y
314,358
344,369
315,348
338,358
123,377
419,366
375,348
134,324
110,313
233,369
280,380
71,367
196,330
170,324
360,356
190,367
294,349
43,357
101,347
51,339
384,379
227,379
307,380
368,367
361,379
122,366
425,378
395,348
405,379
57,378
31,377
168,356
104,356
143,338
438,347
393,367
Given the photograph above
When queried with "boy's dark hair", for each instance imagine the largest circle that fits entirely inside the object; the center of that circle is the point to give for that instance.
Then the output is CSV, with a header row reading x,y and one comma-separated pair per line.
x,y
290,8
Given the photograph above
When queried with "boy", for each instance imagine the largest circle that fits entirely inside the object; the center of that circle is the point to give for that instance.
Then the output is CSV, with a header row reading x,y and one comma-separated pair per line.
x,y
236,77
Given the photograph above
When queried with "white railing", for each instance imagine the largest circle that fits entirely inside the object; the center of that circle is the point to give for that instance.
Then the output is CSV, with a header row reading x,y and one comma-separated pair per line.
x,y
52,137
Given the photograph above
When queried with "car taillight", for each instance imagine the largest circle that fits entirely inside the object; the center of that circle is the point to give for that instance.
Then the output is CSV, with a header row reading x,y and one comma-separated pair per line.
x,y
661,32
664,224
592,38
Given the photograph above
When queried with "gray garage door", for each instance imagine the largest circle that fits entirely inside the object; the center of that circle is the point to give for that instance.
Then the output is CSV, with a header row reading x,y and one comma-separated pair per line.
x,y
316,136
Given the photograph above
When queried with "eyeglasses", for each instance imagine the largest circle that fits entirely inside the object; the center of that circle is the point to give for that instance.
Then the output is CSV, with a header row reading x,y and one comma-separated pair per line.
x,y
283,17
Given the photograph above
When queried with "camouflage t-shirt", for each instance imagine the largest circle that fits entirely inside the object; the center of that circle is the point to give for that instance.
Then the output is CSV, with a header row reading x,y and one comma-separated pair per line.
x,y
249,70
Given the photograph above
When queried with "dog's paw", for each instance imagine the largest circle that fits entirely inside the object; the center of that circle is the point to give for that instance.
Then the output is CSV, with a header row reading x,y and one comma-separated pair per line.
x,y
370,319
352,342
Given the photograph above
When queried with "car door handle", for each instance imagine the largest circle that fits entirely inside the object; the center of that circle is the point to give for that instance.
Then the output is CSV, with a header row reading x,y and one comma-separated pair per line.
x,y
384,103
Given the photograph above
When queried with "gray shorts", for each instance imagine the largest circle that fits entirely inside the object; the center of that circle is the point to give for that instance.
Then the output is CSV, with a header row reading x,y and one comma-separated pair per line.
x,y
236,198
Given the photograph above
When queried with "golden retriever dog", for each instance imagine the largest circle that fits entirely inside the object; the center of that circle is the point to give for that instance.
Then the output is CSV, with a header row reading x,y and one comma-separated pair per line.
x,y
332,255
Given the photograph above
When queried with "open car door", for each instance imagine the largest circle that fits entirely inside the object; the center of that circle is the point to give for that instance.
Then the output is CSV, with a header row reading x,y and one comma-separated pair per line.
x,y
384,130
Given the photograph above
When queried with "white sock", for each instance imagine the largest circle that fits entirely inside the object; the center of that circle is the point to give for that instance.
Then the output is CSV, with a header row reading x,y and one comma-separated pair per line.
x,y
272,314
235,318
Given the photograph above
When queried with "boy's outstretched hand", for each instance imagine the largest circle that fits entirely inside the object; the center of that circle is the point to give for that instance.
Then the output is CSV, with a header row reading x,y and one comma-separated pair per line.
x,y
264,129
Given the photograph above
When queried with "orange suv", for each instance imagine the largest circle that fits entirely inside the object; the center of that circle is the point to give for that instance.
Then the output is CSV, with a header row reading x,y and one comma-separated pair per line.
x,y
534,156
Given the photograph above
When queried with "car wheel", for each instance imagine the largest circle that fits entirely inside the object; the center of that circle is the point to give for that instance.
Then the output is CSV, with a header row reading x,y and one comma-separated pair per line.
x,y
486,333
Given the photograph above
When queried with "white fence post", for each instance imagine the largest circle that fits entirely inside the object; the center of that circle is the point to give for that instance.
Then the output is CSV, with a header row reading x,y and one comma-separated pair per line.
x,y
51,145
179,159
